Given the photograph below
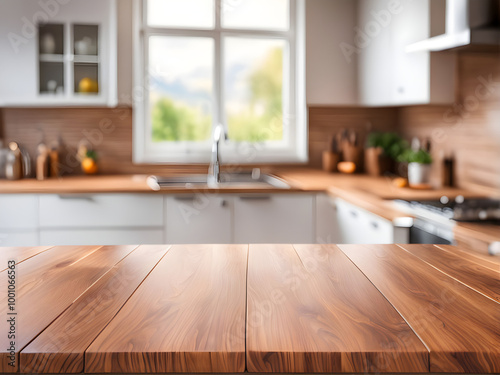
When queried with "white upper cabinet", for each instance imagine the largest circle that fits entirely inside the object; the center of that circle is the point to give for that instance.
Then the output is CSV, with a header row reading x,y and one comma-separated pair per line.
x,y
331,75
357,54
58,52
388,74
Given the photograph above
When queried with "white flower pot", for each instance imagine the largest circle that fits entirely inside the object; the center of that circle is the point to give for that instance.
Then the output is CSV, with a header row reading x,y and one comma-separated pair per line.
x,y
419,174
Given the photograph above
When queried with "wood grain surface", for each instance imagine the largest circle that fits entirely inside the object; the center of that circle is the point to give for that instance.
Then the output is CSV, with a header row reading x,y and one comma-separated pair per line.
x,y
489,261
477,277
47,284
476,236
19,254
187,316
311,310
459,326
60,348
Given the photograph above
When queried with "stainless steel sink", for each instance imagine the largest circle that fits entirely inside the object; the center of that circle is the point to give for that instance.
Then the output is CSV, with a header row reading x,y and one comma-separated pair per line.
x,y
228,180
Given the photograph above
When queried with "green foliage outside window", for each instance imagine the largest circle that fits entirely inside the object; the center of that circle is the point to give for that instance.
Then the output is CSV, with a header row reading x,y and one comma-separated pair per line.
x,y
261,121
172,122
266,87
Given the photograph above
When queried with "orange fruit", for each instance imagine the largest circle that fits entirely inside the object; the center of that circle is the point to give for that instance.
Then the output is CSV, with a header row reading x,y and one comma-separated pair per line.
x,y
346,167
89,166
400,182
88,85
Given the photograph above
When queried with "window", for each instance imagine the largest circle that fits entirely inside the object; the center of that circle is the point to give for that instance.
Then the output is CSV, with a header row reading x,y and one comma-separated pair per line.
x,y
199,63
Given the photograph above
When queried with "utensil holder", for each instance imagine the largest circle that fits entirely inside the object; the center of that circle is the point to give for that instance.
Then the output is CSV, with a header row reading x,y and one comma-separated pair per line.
x,y
354,154
330,161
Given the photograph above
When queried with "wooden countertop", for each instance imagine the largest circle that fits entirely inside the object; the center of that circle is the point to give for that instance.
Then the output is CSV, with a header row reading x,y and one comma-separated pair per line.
x,y
371,193
305,180
251,308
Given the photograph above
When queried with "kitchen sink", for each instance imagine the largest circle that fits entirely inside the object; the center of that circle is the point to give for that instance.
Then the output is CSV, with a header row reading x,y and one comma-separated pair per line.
x,y
249,180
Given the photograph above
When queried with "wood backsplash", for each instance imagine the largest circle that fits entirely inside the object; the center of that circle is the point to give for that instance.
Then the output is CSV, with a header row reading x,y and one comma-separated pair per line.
x,y
325,122
468,129
108,131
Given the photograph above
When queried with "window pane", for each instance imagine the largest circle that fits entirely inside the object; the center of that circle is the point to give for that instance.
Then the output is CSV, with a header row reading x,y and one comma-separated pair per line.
x,y
181,81
256,14
181,13
253,71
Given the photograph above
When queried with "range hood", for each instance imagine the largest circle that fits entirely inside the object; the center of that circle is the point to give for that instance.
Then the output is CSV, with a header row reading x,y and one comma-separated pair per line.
x,y
469,24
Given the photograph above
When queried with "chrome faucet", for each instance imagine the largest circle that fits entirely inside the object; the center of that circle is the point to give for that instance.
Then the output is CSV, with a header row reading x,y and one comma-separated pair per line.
x,y
215,164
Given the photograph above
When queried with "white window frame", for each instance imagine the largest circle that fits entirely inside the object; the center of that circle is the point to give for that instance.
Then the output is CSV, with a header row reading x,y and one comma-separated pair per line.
x,y
294,150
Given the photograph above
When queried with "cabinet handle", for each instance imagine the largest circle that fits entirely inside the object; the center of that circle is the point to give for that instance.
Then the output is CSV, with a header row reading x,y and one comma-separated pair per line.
x,y
184,198
256,198
354,214
223,203
374,224
76,197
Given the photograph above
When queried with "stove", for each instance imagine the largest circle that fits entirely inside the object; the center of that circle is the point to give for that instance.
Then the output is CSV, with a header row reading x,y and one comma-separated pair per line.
x,y
460,209
434,220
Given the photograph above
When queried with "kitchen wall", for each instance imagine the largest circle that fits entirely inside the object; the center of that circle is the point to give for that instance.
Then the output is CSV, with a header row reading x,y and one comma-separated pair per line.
x,y
468,129
108,131
324,122
473,137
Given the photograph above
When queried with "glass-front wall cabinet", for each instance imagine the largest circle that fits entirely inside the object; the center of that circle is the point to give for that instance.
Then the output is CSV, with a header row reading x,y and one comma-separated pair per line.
x,y
67,57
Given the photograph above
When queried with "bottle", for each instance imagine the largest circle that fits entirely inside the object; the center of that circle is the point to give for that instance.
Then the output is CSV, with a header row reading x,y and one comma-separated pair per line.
x,y
42,162
54,160
3,159
449,171
14,163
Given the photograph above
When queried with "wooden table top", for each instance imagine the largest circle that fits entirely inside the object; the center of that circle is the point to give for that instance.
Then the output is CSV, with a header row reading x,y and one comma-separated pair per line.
x,y
249,308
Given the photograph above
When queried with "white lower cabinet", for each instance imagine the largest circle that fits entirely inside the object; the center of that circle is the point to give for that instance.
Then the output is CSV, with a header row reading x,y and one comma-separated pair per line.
x,y
123,219
18,220
199,219
13,237
274,218
101,210
101,219
107,236
358,226
327,223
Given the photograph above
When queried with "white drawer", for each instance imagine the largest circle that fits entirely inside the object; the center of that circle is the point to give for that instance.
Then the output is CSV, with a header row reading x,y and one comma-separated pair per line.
x,y
199,219
101,210
378,230
358,226
18,238
101,237
286,218
18,211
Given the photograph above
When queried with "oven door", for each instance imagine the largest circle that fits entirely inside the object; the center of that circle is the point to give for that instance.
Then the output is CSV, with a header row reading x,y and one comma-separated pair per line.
x,y
427,232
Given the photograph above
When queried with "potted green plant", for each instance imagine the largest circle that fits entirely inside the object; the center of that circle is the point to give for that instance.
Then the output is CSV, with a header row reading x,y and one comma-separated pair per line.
x,y
382,151
419,166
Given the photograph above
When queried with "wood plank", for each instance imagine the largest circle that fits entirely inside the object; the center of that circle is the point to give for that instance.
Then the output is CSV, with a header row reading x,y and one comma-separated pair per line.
x,y
19,254
460,327
60,348
475,276
312,310
187,316
476,237
48,284
489,261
